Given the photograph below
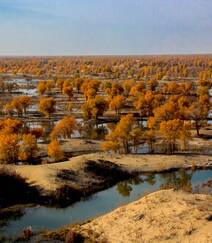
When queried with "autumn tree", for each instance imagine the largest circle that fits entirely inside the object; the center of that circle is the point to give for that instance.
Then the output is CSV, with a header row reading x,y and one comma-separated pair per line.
x,y
25,102
69,107
37,132
47,106
123,136
55,151
28,147
186,88
205,83
9,148
171,88
116,89
2,86
185,135
50,84
146,102
127,85
116,103
93,108
137,89
202,90
150,138
90,88
67,90
165,112
152,84
110,145
171,131
107,87
136,135
78,83
10,126
41,87
17,107
64,128
60,83
8,109
198,113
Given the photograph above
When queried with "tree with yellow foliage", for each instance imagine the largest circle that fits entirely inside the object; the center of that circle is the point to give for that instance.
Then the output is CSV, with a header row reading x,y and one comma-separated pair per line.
x,y
150,138
198,113
37,132
68,90
152,84
64,128
116,103
15,103
172,130
165,112
90,88
10,126
41,87
116,89
28,147
50,84
145,103
60,83
8,109
25,102
124,135
137,89
47,106
127,85
69,107
94,107
78,83
55,151
9,148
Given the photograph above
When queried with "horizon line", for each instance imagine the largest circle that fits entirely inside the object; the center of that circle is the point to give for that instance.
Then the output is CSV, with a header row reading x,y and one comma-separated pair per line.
x,y
107,55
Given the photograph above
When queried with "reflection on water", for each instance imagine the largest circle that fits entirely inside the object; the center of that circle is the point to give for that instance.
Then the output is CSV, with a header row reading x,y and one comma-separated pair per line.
x,y
102,202
125,187
180,180
177,180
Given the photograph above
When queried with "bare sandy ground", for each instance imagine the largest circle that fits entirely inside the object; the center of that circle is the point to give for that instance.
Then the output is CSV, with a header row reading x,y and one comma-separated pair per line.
x,y
75,146
164,216
45,176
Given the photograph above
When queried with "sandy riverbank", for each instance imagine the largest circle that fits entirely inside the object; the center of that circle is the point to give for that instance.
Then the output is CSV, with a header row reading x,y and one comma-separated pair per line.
x,y
46,176
163,216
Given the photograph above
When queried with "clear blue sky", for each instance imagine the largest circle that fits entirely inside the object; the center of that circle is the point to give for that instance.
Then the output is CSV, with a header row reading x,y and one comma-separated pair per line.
x,y
92,27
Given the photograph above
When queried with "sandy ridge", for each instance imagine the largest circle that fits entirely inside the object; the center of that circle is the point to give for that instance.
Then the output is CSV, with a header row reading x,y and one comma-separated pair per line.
x,y
45,176
163,216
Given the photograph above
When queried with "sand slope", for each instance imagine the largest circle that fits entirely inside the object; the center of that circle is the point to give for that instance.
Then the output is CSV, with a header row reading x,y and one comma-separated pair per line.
x,y
45,176
163,216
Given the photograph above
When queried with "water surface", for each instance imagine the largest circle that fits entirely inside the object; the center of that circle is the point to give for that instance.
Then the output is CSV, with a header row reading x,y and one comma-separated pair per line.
x,y
41,217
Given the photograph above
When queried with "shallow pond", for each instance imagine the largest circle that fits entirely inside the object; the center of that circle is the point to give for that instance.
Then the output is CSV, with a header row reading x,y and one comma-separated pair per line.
x,y
41,217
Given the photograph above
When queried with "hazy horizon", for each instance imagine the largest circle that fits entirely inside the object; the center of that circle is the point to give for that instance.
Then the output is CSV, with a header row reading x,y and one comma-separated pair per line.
x,y
105,28
113,55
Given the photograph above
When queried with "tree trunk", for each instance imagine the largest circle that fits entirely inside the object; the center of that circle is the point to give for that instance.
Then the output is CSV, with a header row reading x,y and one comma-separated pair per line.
x,y
197,128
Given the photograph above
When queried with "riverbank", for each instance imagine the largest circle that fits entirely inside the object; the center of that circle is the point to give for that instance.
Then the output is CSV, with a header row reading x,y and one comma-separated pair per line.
x,y
43,217
60,184
163,216
94,172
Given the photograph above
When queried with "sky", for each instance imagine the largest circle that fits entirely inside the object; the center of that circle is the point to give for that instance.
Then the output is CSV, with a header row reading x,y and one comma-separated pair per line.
x,y
105,27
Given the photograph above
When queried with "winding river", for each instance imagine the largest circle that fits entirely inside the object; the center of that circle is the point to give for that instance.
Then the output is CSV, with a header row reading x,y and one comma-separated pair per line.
x,y
41,217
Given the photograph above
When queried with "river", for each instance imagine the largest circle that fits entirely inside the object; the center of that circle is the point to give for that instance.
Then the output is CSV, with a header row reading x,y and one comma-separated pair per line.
x,y
41,217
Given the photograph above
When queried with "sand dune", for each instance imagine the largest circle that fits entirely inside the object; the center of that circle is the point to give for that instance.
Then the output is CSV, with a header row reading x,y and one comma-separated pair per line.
x,y
163,216
45,176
